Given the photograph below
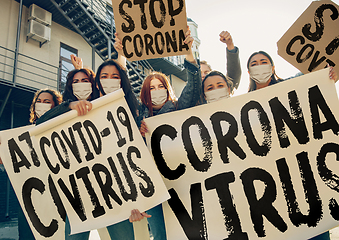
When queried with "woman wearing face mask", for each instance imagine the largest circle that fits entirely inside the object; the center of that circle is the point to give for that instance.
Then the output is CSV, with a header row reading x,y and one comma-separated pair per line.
x,y
157,97
43,101
262,71
216,86
262,74
110,77
79,90
109,70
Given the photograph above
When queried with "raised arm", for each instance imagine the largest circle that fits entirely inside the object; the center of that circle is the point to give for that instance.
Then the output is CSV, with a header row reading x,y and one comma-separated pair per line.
x,y
232,58
77,62
118,46
192,91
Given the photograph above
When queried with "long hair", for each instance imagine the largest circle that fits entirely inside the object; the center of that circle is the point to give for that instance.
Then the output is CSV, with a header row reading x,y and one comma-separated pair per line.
x,y
274,78
57,99
68,93
227,79
131,100
145,94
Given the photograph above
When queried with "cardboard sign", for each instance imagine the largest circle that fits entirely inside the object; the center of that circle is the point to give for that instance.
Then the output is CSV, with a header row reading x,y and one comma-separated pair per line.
x,y
312,42
94,168
263,165
151,29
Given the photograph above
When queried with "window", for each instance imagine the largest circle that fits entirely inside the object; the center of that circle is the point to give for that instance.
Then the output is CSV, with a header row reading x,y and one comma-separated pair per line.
x,y
65,64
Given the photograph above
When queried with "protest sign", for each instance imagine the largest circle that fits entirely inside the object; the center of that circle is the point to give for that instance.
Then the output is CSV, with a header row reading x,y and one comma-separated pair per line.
x,y
151,29
312,41
262,165
94,168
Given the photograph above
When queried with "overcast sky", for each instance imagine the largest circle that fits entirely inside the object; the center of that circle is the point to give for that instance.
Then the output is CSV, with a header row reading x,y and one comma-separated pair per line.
x,y
254,25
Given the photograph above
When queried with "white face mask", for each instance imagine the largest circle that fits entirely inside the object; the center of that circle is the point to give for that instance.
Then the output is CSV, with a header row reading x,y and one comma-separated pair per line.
x,y
159,96
110,85
261,73
82,90
41,108
215,95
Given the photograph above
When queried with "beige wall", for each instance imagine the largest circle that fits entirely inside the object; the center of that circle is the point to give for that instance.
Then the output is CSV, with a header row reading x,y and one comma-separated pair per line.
x,y
48,53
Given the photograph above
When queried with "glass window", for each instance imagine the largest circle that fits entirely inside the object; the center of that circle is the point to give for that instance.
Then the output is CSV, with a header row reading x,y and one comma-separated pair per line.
x,y
65,64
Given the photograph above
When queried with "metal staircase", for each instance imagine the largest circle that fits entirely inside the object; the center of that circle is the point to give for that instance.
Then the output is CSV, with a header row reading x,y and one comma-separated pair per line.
x,y
93,20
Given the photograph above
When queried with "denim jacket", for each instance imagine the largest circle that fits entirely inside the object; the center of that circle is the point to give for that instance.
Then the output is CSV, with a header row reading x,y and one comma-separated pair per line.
x,y
188,98
233,66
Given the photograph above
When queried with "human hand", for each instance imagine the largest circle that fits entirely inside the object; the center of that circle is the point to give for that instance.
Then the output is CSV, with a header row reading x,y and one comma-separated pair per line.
x,y
143,128
333,74
76,61
225,37
82,107
188,38
118,45
189,41
136,215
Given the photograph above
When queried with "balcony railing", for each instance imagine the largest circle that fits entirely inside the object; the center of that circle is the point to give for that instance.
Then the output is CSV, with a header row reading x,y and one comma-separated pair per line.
x,y
31,73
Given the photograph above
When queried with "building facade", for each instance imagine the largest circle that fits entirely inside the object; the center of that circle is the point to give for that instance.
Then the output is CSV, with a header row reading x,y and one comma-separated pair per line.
x,y
36,41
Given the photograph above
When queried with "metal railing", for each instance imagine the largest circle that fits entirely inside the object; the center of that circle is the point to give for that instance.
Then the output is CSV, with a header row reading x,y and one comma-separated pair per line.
x,y
101,10
31,73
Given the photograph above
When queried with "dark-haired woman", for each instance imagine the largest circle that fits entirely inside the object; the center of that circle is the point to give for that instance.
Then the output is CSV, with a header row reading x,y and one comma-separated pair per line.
x,y
262,74
110,77
216,86
79,99
79,90
262,71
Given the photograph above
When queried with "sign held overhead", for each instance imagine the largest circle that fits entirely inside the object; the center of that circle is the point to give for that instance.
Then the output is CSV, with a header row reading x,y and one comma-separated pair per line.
x,y
151,29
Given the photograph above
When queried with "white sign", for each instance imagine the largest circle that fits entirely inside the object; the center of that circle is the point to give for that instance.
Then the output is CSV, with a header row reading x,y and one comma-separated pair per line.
x,y
262,165
94,168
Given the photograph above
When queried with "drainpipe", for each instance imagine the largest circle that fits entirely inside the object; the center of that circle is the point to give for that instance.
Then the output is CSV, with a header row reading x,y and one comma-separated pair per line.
x,y
93,59
17,43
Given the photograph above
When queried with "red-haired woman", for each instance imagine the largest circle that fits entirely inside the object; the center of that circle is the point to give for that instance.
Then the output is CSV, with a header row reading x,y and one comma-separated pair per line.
x,y
157,97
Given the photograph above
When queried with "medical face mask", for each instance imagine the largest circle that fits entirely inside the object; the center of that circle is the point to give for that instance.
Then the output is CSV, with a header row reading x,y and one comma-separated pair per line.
x,y
82,90
110,85
41,108
215,95
261,73
159,96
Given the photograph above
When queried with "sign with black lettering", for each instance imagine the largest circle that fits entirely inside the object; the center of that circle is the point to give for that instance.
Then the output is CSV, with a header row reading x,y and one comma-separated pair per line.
x,y
151,29
263,165
312,41
94,168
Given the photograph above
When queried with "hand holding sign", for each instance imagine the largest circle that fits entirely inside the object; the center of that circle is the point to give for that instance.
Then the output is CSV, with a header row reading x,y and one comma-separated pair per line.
x,y
82,107
333,74
136,215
